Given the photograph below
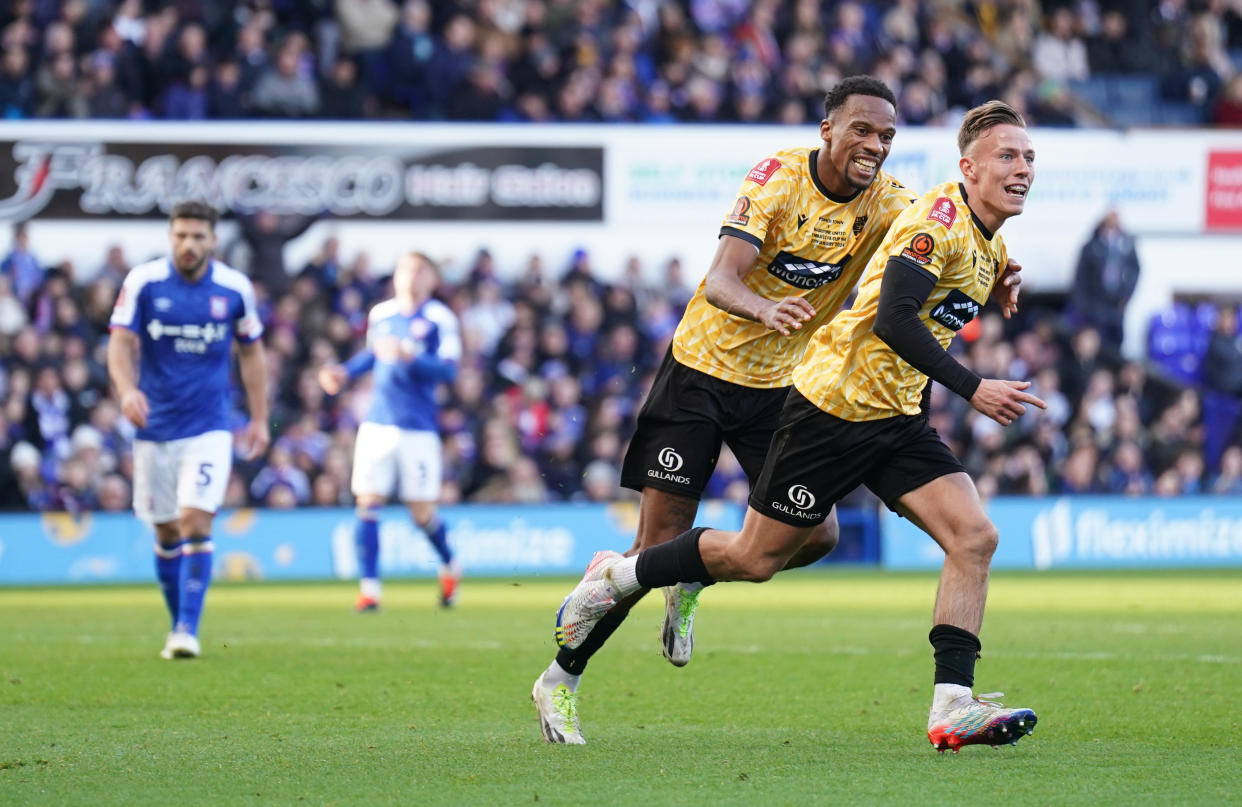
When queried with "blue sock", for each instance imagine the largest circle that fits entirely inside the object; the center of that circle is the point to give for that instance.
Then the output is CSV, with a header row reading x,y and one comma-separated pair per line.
x,y
366,541
195,577
168,572
438,535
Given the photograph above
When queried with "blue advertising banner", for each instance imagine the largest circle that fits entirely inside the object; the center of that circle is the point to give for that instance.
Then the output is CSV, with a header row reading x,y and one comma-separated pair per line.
x,y
318,544
1090,532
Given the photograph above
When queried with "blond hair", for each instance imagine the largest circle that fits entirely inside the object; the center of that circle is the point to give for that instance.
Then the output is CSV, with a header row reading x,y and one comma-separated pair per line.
x,y
984,117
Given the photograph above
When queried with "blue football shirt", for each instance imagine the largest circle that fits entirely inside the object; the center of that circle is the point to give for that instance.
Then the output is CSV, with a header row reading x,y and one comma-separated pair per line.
x,y
404,395
186,333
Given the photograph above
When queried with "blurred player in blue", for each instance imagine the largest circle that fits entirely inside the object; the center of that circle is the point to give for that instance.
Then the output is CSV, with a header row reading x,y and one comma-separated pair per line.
x,y
172,333
413,345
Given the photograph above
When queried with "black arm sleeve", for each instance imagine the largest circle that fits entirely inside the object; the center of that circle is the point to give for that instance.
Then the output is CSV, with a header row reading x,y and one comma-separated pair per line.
x,y
903,291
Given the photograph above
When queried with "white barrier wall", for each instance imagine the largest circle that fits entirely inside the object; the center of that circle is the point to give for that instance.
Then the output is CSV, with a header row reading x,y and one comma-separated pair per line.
x,y
653,192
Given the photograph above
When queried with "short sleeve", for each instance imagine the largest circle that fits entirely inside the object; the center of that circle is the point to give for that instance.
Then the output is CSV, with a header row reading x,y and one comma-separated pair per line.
x,y
763,198
249,326
449,332
128,306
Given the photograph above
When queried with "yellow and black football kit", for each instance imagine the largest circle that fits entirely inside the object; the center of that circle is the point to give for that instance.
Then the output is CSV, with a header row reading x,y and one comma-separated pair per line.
x,y
850,372
812,244
725,378
853,417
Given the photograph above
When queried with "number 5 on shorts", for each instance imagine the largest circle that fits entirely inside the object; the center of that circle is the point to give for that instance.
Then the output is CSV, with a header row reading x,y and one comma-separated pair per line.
x,y
204,474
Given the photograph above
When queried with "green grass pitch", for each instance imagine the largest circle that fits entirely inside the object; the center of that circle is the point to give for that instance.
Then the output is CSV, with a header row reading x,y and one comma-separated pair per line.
x,y
811,689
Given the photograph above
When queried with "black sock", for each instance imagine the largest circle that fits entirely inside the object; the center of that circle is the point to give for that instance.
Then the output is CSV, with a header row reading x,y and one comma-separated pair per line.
x,y
677,561
956,651
575,661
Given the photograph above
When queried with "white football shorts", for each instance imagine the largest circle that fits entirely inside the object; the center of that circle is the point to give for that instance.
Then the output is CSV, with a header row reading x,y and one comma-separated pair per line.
x,y
190,472
382,454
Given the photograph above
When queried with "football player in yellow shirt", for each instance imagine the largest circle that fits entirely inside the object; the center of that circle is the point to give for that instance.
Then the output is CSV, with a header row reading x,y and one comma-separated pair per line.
x,y
800,232
853,418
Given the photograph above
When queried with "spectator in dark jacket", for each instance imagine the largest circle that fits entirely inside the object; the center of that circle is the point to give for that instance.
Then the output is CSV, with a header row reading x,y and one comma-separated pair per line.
x,y
266,234
1108,271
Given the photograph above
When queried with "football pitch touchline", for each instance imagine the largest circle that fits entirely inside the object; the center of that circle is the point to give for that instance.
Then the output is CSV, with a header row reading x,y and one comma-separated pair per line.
x,y
736,649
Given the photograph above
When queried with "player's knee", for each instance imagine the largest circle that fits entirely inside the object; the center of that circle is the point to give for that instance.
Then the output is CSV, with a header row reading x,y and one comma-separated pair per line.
x,y
168,534
979,539
193,524
825,538
367,512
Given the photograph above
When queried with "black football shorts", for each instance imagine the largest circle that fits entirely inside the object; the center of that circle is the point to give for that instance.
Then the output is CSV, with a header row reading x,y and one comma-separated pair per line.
x,y
816,459
687,416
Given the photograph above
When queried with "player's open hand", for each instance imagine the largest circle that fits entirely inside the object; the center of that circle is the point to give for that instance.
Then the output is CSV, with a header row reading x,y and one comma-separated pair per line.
x,y
134,405
787,314
332,378
255,439
1004,401
1005,289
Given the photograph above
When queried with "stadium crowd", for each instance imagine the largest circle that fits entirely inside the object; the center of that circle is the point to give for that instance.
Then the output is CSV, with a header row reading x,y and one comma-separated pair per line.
x,y
556,362
612,60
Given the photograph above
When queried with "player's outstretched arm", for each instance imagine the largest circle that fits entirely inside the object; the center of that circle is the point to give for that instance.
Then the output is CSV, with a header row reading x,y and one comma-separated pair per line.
x,y
123,347
734,260
1005,289
253,362
902,294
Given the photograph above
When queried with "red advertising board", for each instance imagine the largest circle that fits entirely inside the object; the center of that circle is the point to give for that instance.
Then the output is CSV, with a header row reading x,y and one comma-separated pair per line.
x,y
1224,191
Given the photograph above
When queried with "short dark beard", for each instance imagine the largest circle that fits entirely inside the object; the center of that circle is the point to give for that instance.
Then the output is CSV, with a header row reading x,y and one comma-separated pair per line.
x,y
198,268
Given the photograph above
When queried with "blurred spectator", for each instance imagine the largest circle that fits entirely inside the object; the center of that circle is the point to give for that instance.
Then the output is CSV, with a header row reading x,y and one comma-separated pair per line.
x,y
280,473
1222,366
1107,274
224,91
1128,474
21,267
366,25
325,267
1228,111
1204,65
266,234
27,464
48,416
190,99
114,494
343,97
12,313
17,89
453,59
1222,379
1229,481
1114,49
1078,474
104,98
1059,53
284,90
599,482
60,92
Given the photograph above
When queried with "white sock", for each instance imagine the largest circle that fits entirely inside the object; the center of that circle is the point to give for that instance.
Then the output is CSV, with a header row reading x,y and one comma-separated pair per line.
x,y
690,588
554,675
625,575
370,587
947,694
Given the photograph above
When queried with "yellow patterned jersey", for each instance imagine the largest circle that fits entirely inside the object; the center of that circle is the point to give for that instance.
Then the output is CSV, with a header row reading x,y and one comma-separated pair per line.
x,y
850,372
811,244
